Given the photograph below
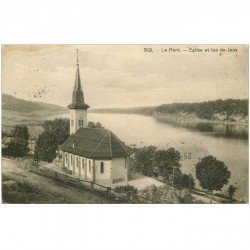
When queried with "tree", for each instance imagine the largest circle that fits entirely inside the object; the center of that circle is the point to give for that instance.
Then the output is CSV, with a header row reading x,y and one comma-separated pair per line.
x,y
231,191
19,143
176,177
212,173
94,125
144,160
150,161
187,181
55,133
59,127
20,132
46,147
169,163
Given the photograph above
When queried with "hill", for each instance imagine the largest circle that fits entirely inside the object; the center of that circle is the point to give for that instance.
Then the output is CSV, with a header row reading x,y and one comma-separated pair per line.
x,y
16,111
15,104
229,110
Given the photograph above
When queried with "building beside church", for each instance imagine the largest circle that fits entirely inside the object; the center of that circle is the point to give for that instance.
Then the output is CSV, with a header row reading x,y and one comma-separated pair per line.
x,y
93,154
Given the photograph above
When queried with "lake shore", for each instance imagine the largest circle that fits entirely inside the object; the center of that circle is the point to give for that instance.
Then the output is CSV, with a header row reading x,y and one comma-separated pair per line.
x,y
190,118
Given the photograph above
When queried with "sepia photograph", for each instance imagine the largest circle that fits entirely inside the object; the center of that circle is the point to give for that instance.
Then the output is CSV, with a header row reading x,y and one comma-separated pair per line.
x,y
125,124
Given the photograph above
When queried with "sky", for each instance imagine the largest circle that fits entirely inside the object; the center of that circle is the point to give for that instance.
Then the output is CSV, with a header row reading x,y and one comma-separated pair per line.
x,y
124,76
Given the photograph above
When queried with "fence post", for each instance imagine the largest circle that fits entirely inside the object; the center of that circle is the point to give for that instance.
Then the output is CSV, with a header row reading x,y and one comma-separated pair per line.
x,y
109,190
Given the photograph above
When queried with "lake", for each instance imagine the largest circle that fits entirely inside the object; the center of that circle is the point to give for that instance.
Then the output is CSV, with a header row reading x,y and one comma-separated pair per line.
x,y
193,143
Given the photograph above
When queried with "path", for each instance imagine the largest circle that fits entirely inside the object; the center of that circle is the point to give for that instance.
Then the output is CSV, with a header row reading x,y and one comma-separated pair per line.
x,y
139,181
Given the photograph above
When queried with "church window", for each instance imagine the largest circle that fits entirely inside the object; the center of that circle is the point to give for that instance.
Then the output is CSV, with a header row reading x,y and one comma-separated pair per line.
x,y
71,159
66,158
82,163
81,123
77,161
126,162
102,167
89,166
72,122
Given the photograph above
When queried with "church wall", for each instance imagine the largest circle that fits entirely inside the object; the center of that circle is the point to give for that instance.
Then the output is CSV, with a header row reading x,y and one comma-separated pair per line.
x,y
77,165
106,174
83,167
119,169
89,169
115,170
72,163
66,160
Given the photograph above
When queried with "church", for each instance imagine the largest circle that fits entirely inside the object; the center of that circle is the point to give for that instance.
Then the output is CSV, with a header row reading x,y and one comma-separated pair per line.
x,y
92,154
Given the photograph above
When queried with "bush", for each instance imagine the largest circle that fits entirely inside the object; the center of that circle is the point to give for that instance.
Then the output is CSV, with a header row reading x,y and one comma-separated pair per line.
x,y
187,181
167,195
231,192
126,189
66,170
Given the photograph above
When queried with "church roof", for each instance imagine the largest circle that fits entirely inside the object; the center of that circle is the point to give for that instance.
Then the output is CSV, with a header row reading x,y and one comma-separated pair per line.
x,y
96,143
78,97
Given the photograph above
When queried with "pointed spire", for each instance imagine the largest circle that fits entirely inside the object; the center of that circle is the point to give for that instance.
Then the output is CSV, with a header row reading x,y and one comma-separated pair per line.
x,y
78,98
78,85
77,58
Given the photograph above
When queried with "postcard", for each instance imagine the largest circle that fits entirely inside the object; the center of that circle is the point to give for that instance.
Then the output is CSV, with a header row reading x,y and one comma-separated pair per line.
x,y
136,124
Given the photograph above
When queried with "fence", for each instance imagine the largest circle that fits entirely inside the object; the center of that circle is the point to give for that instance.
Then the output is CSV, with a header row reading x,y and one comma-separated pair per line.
x,y
108,192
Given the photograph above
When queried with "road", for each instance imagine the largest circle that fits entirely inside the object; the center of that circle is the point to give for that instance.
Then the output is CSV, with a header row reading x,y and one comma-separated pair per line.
x,y
55,192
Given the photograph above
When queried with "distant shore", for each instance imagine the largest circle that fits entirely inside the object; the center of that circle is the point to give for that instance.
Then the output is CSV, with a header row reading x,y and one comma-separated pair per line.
x,y
178,117
191,118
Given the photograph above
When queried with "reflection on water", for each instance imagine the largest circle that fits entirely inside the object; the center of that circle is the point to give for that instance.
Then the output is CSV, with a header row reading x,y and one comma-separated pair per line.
x,y
216,129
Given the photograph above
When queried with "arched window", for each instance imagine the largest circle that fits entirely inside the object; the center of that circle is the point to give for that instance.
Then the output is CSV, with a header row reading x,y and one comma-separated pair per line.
x,y
71,159
126,162
77,161
89,166
66,158
80,123
102,167
82,163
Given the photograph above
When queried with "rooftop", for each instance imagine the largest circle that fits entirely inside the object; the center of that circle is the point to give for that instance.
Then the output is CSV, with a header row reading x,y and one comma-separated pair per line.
x,y
95,143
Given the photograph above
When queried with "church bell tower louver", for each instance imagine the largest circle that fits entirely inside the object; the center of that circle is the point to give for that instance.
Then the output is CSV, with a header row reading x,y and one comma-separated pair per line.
x,y
78,109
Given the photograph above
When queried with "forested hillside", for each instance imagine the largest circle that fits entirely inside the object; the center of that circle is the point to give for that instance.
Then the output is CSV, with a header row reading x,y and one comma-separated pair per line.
x,y
231,110
207,110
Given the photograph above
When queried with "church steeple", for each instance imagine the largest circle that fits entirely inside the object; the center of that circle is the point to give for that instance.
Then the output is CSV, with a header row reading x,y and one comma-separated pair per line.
x,y
78,97
78,108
